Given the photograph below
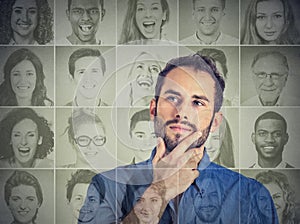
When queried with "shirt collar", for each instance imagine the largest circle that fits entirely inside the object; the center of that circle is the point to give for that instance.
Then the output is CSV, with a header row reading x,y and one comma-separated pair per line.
x,y
282,164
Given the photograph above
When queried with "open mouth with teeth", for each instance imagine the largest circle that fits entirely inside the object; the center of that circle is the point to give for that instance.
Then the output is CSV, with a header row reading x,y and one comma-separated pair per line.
x,y
24,151
86,28
88,86
149,26
145,82
23,87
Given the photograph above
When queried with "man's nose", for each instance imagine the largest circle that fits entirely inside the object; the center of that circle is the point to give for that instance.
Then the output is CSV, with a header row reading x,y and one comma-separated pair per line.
x,y
182,111
268,80
269,138
86,15
207,14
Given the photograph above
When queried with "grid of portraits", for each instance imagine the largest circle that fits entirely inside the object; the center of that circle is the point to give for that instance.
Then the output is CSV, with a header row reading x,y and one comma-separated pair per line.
x,y
77,78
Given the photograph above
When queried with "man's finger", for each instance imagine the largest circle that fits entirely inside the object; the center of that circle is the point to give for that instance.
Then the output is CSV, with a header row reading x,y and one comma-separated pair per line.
x,y
160,150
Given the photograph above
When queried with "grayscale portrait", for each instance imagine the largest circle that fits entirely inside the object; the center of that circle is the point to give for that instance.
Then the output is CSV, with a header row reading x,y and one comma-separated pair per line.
x,y
270,22
25,76
146,208
77,198
270,138
226,59
82,135
27,196
215,22
88,71
150,22
81,22
269,76
27,22
283,186
138,69
27,138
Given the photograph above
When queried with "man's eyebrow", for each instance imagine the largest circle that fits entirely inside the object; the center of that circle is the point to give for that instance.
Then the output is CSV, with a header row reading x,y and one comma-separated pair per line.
x,y
201,98
171,91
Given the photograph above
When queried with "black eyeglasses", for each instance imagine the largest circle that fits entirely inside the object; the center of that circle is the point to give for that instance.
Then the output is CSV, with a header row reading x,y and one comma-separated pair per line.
x,y
84,140
273,76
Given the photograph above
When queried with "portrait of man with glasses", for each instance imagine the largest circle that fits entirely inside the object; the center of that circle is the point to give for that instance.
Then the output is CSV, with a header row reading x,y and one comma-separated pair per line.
x,y
270,71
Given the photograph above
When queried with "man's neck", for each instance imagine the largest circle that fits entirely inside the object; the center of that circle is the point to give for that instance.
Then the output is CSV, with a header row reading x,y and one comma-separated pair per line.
x,y
82,101
74,40
208,39
271,163
268,103
23,40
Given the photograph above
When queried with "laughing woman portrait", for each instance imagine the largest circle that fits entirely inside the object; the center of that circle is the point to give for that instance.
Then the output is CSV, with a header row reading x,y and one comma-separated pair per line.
x,y
26,140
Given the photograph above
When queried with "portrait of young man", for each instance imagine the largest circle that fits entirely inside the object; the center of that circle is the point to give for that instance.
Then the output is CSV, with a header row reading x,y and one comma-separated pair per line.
x,y
207,16
186,107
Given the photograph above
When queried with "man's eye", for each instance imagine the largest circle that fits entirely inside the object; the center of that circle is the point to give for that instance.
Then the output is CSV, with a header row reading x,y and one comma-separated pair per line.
x,y
154,200
94,11
215,10
18,11
172,99
262,134
198,103
201,10
154,69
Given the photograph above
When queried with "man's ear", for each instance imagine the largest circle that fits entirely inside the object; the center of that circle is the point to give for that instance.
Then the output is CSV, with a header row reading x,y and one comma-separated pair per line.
x,y
286,138
253,137
216,121
102,14
152,109
68,14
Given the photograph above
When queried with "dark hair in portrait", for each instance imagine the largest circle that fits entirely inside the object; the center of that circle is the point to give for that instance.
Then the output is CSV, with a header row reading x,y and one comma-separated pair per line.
x,y
142,115
100,1
273,116
223,2
249,33
85,177
270,176
130,31
85,52
15,116
39,96
18,178
199,63
43,33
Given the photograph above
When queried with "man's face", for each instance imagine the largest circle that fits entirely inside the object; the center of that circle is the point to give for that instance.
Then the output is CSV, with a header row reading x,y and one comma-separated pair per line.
x,y
208,202
143,136
207,15
23,203
84,17
24,18
270,138
269,88
84,202
88,76
147,207
185,105
213,143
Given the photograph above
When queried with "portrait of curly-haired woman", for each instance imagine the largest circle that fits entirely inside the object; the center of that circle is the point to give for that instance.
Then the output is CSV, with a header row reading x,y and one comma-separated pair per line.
x,y
23,83
25,22
26,140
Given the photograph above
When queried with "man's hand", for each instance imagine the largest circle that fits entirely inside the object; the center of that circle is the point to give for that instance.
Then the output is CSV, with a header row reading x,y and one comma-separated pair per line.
x,y
178,169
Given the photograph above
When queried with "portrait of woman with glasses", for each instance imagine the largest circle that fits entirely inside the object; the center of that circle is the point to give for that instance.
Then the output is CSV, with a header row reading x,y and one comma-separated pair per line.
x,y
87,136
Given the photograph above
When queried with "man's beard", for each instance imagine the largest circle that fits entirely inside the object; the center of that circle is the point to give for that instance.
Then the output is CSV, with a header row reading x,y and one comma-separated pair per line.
x,y
160,131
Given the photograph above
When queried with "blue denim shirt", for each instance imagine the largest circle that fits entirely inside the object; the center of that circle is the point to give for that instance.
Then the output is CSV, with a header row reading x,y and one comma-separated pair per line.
x,y
218,195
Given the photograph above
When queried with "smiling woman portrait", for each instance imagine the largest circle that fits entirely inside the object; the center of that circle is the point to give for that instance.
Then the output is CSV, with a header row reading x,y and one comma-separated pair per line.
x,y
26,140
23,83
144,21
25,22
269,22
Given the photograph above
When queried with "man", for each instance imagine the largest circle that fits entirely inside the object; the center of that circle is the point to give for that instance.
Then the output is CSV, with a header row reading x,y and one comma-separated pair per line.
x,y
269,137
87,68
188,98
208,15
142,135
270,73
78,195
84,17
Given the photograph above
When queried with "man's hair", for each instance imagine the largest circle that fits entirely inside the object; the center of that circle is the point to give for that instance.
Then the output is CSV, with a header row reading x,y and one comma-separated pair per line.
x,y
100,1
217,55
142,115
17,115
85,52
271,115
85,177
276,54
18,178
200,63
223,2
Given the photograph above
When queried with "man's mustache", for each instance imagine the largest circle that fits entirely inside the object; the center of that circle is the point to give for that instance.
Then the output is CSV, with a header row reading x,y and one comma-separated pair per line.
x,y
176,121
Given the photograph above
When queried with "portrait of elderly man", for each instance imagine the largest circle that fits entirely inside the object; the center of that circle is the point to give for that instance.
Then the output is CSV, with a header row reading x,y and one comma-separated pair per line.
x,y
269,138
186,108
208,16
270,72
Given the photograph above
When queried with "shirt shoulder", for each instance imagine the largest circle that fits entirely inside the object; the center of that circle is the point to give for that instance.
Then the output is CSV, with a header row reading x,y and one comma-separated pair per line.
x,y
190,40
227,39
